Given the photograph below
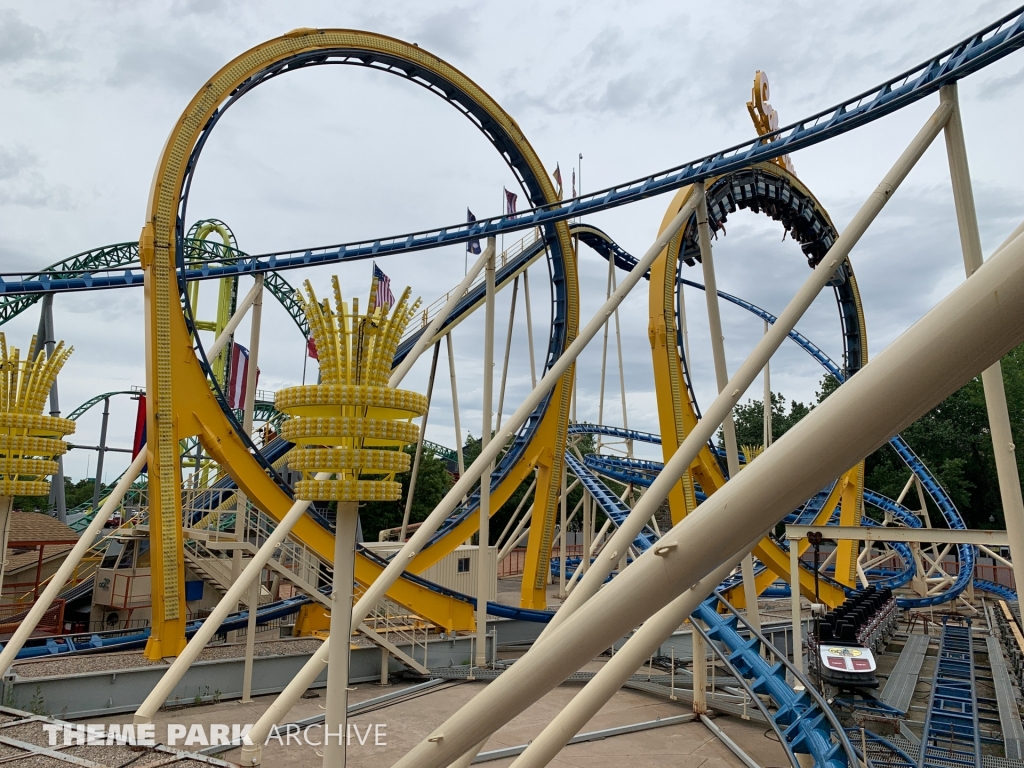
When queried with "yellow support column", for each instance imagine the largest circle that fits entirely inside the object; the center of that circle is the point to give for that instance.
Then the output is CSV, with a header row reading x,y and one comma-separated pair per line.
x,y
167,568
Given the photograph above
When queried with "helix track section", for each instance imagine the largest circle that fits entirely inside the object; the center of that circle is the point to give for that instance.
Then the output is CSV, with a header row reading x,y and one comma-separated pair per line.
x,y
966,553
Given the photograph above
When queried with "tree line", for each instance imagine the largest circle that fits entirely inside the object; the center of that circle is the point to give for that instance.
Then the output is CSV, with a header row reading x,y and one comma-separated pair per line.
x,y
952,439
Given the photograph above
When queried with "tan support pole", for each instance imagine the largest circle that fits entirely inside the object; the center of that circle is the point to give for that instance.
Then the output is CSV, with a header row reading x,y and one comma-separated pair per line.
x,y
991,378
484,537
571,719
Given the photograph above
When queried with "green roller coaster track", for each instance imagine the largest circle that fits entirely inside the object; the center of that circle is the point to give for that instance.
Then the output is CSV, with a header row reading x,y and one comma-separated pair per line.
x,y
126,255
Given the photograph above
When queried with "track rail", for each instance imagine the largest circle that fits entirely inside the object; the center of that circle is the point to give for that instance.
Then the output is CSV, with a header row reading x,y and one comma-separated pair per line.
x,y
803,720
951,732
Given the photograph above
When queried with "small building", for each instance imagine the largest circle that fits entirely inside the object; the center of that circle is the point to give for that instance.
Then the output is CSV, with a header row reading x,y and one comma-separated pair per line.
x,y
36,546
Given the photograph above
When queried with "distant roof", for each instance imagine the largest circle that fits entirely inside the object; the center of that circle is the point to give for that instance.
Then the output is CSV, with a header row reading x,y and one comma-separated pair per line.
x,y
30,529
33,528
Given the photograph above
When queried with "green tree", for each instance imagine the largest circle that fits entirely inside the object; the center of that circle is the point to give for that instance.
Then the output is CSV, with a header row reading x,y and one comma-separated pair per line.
x,y
952,439
432,483
749,418
74,494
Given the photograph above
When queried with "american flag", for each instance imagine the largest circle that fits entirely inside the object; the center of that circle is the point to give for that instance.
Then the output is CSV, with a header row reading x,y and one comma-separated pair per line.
x,y
510,202
472,246
384,294
239,376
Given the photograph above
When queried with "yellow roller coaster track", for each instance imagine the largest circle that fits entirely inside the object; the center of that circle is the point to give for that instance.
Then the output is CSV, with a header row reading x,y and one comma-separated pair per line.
x,y
677,417
181,403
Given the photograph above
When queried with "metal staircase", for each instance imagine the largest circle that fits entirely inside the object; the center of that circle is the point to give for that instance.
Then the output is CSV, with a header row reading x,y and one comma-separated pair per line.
x,y
801,717
951,733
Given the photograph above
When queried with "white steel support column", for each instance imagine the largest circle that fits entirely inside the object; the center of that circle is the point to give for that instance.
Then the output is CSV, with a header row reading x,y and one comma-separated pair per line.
x,y
991,378
576,379
517,534
515,515
561,533
243,306
767,406
722,379
455,405
685,331
794,601
508,350
529,326
482,570
622,375
700,671
6,505
209,627
588,530
340,641
753,365
428,335
241,507
414,474
604,355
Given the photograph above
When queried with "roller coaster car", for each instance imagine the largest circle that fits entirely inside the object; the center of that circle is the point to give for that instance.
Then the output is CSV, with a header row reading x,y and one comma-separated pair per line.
x,y
848,636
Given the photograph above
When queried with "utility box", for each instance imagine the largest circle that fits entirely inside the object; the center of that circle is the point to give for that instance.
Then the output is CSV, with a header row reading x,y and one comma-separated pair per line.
x,y
122,588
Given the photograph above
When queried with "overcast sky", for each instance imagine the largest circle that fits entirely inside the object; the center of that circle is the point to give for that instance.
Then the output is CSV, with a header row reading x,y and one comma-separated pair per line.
x,y
91,90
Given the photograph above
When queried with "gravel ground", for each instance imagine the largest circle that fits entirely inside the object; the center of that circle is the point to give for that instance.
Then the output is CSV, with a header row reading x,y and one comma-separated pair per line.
x,y
111,756
114,755
32,733
134,659
7,751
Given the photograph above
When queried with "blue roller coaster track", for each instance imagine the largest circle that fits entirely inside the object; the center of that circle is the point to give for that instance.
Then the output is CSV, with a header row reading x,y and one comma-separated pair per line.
x,y
803,719
641,472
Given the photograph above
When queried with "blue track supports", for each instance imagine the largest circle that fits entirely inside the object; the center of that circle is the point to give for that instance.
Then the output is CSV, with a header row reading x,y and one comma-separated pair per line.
x,y
951,734
803,720
610,504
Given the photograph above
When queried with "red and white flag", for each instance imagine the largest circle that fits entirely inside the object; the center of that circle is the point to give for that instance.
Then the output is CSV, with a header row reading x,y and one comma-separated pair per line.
x,y
311,349
239,376
558,180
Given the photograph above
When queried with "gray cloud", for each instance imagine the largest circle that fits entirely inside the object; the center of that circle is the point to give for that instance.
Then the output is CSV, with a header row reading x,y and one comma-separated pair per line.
x,y
15,161
201,7
182,64
19,41
448,32
22,182
999,87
